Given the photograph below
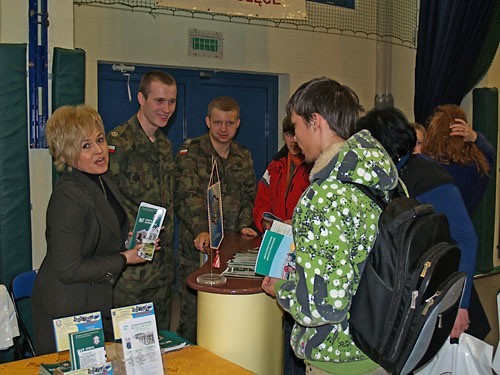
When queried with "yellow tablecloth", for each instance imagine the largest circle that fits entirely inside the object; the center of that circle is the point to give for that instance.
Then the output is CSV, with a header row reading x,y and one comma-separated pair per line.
x,y
192,360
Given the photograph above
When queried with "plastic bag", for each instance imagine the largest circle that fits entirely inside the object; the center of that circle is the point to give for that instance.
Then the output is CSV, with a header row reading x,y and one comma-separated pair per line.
x,y
8,320
470,356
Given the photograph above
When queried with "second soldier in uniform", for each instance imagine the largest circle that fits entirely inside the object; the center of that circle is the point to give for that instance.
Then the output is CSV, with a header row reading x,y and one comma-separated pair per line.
x,y
192,176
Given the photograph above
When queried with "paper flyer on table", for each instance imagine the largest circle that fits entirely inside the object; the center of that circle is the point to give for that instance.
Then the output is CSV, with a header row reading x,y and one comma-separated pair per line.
x,y
141,347
77,323
121,314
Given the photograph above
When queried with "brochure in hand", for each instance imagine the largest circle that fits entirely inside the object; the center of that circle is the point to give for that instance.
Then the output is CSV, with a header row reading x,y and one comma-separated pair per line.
x,y
271,217
276,256
147,228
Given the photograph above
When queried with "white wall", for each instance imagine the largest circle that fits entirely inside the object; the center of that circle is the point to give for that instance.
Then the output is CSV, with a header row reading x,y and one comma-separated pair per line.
x,y
139,37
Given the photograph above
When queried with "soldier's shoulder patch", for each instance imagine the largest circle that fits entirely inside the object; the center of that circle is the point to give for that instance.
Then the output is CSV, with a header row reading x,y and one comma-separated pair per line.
x,y
118,131
184,149
111,149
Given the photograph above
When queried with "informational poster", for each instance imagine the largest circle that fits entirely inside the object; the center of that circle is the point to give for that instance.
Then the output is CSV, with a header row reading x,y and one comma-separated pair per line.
x,y
281,9
141,347
77,323
121,314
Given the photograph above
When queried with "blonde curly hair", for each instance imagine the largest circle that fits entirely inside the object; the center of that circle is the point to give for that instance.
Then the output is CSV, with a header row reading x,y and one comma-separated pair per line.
x,y
66,129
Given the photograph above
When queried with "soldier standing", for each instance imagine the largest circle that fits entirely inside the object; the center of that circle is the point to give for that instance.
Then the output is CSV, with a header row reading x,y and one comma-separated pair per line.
x,y
192,175
142,164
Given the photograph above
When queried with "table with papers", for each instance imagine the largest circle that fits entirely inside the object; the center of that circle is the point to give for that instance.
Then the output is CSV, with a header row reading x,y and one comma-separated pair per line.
x,y
193,360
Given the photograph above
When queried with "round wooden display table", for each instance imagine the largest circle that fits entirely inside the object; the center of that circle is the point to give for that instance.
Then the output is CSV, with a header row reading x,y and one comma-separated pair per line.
x,y
237,320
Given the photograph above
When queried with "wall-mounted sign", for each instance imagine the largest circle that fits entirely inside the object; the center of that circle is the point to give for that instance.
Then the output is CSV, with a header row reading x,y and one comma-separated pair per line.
x,y
282,9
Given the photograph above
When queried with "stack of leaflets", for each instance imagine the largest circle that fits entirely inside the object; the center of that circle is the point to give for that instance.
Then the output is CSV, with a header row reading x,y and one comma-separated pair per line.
x,y
242,265
50,368
276,256
147,228
104,369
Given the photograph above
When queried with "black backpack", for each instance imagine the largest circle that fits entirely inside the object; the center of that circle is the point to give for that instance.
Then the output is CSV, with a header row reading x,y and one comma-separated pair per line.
x,y
410,289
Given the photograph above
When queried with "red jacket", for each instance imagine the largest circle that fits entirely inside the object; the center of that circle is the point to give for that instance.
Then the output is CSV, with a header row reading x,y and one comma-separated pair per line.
x,y
274,194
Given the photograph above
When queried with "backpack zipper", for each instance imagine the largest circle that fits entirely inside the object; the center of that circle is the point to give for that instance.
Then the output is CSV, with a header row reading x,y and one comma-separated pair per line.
x,y
429,302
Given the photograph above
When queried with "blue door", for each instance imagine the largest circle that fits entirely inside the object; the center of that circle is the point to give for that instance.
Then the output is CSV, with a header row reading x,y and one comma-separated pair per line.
x,y
257,95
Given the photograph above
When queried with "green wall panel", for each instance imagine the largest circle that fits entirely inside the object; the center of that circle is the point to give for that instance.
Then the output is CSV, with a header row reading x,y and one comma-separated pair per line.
x,y
485,119
15,221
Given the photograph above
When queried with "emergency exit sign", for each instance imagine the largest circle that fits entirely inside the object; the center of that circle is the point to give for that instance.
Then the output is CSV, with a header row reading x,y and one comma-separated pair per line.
x,y
205,43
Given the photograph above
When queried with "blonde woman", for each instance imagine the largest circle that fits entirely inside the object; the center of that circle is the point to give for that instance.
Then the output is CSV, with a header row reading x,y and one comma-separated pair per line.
x,y
86,227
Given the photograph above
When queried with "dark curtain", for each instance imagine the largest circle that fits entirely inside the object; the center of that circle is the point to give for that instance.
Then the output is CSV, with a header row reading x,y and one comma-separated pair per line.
x,y
451,36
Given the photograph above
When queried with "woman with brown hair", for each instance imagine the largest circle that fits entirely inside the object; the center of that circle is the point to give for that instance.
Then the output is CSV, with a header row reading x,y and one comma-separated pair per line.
x,y
465,153
469,158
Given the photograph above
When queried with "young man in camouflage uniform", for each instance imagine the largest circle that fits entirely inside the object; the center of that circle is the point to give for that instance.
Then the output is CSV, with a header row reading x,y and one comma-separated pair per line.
x,y
141,163
192,176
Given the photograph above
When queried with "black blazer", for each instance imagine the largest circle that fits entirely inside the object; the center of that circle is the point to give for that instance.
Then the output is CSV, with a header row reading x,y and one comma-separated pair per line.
x,y
82,262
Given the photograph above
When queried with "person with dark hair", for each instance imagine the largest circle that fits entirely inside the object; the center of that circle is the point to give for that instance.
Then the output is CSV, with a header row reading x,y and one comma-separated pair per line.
x,y
427,182
142,164
278,191
193,168
334,226
462,151
86,228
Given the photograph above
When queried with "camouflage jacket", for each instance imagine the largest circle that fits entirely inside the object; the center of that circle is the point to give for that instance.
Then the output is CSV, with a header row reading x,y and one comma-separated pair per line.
x,y
143,171
193,167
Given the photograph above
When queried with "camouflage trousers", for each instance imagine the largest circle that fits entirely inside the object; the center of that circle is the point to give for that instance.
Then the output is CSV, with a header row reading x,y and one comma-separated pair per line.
x,y
188,300
133,292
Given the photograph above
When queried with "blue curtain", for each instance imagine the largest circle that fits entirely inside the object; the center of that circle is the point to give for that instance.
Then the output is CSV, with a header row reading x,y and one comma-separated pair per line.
x,y
451,36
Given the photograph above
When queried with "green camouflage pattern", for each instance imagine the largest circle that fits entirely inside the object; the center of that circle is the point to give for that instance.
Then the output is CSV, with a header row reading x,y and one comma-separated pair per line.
x,y
144,172
193,167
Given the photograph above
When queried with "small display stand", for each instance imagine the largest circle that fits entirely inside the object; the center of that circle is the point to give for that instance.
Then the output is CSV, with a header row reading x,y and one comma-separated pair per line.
x,y
211,278
215,228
